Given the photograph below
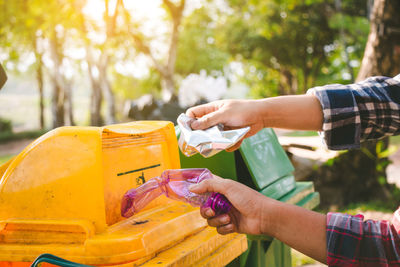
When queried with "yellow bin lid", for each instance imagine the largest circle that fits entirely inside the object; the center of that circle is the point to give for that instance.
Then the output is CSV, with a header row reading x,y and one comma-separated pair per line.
x,y
62,195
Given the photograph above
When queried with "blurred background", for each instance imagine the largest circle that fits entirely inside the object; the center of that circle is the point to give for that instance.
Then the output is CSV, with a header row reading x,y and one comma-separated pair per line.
x,y
95,62
98,62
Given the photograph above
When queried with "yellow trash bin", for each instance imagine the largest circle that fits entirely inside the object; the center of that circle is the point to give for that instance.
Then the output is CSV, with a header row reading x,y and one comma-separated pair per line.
x,y
62,195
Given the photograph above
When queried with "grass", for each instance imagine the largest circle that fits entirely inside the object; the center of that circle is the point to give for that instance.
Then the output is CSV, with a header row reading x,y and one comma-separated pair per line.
x,y
354,208
394,140
4,159
10,136
304,134
299,259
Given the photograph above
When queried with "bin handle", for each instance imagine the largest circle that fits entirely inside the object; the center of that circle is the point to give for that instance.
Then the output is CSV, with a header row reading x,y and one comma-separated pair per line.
x,y
84,225
49,258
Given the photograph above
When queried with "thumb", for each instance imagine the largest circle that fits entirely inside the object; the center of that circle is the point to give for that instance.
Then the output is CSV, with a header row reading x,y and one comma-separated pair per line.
x,y
210,185
208,120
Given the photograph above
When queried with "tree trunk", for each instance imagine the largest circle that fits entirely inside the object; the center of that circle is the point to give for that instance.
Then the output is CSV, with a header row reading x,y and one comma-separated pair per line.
x,y
381,57
96,97
57,105
382,52
166,70
58,90
39,79
288,83
68,104
365,176
107,90
168,83
167,87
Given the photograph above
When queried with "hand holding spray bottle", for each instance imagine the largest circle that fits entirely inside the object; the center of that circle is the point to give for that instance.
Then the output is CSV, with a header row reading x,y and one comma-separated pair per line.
x,y
175,185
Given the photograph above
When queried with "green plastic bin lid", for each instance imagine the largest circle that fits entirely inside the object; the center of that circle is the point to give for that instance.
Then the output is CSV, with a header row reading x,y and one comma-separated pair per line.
x,y
265,158
3,76
279,188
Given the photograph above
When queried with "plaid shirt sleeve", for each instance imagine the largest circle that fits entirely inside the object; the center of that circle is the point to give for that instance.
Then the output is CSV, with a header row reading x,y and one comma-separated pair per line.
x,y
351,241
357,112
352,114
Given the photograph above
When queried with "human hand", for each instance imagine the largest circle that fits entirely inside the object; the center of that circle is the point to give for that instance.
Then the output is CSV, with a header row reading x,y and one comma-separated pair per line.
x,y
247,212
255,214
232,114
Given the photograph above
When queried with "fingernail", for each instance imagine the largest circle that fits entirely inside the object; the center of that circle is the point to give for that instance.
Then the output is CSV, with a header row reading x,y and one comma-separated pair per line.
x,y
225,220
195,124
209,212
229,227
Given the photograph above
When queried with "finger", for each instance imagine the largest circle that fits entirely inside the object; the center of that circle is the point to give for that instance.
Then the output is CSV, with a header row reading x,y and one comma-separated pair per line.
x,y
253,131
207,212
216,184
208,120
200,110
218,221
226,229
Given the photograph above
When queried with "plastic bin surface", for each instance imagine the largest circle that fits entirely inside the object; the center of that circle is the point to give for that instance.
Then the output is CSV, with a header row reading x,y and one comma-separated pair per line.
x,y
265,158
62,195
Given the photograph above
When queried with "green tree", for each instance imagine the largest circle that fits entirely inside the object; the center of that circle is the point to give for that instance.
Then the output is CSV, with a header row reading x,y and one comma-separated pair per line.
x,y
285,37
98,65
19,33
360,175
28,23
166,69
198,47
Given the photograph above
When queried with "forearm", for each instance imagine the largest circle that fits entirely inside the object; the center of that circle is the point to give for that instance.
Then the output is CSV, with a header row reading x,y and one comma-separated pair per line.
x,y
302,112
299,228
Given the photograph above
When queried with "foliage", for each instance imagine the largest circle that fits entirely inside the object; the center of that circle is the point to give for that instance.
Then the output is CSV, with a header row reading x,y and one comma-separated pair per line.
x,y
346,52
302,133
282,46
5,158
289,46
128,87
5,126
197,49
288,37
394,140
377,205
299,259
9,136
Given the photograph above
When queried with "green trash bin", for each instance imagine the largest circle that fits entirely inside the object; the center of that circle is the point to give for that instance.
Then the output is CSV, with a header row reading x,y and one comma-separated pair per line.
x,y
262,164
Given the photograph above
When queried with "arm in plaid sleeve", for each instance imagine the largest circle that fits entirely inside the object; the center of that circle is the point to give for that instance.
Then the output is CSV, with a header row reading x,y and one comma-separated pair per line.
x,y
351,241
357,112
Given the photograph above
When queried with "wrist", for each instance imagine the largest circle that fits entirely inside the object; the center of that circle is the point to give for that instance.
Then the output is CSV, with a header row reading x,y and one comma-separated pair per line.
x,y
262,111
270,215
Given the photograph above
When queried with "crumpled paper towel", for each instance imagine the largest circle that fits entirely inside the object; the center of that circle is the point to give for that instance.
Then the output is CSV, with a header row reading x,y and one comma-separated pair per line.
x,y
206,142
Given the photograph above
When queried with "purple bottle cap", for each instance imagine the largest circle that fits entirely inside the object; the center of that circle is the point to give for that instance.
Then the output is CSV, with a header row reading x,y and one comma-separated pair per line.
x,y
218,203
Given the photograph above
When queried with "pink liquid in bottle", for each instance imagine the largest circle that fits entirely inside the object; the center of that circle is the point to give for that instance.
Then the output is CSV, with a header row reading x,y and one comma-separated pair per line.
x,y
174,184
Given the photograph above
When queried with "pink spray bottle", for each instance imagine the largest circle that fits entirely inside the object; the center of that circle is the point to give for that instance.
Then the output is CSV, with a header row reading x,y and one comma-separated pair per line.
x,y
175,185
